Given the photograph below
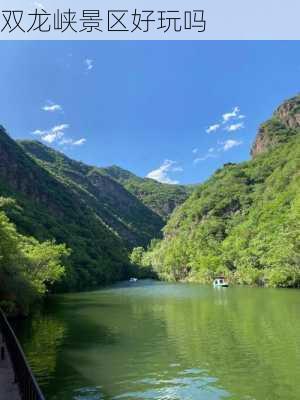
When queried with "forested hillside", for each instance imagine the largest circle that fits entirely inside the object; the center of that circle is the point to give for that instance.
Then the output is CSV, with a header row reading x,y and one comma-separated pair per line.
x,y
71,225
243,222
47,208
161,198
128,217
48,201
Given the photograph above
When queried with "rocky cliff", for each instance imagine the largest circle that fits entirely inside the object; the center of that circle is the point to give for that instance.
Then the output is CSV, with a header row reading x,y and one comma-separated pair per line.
x,y
284,123
244,221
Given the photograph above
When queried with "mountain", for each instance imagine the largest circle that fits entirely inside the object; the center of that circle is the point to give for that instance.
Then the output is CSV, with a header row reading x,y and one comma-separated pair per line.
x,y
243,222
48,208
283,125
128,217
88,208
161,198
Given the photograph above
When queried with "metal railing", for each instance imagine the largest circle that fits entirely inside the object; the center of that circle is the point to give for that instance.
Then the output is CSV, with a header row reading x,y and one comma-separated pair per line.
x,y
29,388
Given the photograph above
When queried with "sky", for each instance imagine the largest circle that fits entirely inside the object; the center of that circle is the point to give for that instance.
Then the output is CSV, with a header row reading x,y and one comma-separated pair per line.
x,y
173,111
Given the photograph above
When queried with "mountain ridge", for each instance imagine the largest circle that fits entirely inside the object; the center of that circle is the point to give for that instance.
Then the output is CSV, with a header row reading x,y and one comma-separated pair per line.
x,y
49,210
244,221
118,208
145,189
76,204
162,198
279,128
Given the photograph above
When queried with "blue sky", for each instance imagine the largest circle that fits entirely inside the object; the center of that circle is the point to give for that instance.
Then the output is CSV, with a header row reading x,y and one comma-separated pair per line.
x,y
174,110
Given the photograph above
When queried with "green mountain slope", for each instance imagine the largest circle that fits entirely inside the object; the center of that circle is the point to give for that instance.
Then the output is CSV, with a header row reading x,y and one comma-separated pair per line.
x,y
129,218
82,206
50,209
161,198
245,220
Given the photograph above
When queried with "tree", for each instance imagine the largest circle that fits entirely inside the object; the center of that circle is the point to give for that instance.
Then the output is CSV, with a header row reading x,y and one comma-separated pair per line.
x,y
27,268
136,256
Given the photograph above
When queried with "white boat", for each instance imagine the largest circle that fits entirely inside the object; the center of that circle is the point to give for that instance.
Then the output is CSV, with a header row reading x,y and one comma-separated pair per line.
x,y
133,279
220,281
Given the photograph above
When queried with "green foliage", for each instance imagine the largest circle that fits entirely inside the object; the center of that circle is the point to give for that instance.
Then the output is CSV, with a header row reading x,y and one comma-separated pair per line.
x,y
161,198
118,209
277,130
139,266
44,262
244,222
55,198
48,206
137,255
27,268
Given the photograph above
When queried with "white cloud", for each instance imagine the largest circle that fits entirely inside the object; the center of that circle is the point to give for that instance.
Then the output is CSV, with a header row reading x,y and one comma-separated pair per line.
x,y
210,154
227,119
59,128
161,174
57,135
38,132
53,134
228,116
65,141
79,142
195,151
52,137
212,128
229,144
234,127
213,152
71,142
52,107
89,63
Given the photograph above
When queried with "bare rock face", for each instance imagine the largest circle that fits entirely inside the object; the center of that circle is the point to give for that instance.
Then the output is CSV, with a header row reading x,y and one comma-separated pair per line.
x,y
262,142
289,113
284,124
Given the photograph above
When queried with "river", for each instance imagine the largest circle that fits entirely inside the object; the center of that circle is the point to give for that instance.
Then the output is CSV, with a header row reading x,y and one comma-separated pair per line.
x,y
153,340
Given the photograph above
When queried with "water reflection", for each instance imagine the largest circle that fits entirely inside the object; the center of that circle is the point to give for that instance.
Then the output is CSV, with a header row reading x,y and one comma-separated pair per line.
x,y
91,393
189,384
165,341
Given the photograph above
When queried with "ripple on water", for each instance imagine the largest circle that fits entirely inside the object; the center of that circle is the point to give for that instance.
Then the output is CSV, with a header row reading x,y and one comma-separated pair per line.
x,y
188,385
168,342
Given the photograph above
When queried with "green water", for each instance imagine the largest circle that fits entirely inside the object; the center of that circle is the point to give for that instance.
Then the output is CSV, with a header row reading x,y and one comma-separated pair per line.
x,y
163,341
